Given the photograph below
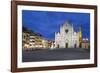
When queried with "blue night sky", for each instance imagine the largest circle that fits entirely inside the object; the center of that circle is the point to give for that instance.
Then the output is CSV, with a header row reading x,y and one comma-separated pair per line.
x,y
48,22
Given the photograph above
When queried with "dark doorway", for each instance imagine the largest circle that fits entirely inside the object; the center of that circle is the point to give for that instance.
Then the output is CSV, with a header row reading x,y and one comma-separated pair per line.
x,y
74,45
80,45
66,45
58,46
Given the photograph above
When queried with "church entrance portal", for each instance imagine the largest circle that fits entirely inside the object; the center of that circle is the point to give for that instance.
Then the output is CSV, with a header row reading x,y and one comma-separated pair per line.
x,y
80,45
75,46
58,46
66,45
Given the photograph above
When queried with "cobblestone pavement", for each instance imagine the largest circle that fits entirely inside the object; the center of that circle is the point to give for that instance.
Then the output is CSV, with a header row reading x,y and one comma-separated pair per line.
x,y
56,54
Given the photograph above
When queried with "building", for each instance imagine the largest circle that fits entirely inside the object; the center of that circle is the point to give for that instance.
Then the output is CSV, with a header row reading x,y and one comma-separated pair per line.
x,y
52,45
45,43
38,42
35,41
85,43
32,40
25,39
67,37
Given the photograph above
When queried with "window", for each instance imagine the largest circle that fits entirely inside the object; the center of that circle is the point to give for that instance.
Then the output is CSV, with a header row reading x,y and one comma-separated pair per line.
x,y
66,30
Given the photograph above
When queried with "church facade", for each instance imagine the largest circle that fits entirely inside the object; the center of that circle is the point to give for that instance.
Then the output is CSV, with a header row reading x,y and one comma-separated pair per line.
x,y
67,37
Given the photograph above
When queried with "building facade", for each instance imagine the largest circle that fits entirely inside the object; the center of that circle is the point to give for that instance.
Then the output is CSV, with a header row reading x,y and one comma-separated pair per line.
x,y
25,39
67,37
33,41
85,43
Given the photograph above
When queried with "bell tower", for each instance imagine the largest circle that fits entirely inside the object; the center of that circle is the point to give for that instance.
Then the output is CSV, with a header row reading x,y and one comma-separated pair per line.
x,y
80,37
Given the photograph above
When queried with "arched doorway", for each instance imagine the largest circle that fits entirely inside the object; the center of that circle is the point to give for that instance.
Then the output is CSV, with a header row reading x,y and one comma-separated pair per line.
x,y
80,45
66,45
74,45
58,46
